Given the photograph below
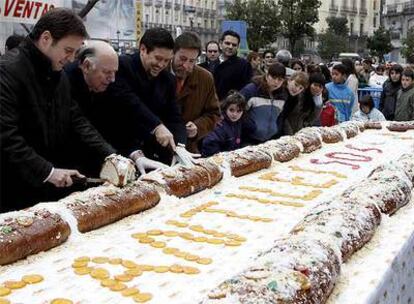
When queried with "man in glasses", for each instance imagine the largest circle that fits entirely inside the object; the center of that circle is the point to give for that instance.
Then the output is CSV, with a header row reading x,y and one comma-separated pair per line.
x,y
213,56
234,72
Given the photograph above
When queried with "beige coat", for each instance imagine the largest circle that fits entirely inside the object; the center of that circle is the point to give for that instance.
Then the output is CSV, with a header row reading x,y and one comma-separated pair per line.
x,y
199,104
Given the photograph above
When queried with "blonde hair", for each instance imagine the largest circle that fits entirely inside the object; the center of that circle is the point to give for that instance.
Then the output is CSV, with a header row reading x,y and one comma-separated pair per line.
x,y
301,78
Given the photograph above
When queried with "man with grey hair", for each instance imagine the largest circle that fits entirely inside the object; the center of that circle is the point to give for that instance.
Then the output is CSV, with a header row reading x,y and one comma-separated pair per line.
x,y
90,76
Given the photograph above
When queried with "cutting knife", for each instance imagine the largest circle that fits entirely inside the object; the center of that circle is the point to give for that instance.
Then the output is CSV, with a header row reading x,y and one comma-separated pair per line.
x,y
87,180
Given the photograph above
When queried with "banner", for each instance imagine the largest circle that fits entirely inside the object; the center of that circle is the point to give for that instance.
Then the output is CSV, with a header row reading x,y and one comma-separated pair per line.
x,y
25,11
138,19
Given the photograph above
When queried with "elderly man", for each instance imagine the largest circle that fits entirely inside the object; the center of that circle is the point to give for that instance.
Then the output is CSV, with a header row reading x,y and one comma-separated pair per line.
x,y
38,119
147,90
90,76
234,72
196,93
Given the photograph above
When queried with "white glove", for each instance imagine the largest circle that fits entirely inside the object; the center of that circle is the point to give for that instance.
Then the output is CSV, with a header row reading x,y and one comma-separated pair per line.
x,y
164,136
144,163
184,157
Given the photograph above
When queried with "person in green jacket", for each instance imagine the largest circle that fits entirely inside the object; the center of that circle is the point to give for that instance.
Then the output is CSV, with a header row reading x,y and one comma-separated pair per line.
x,y
404,108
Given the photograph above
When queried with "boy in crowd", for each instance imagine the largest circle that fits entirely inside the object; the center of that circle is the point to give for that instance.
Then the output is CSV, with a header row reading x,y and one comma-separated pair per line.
x,y
404,108
340,95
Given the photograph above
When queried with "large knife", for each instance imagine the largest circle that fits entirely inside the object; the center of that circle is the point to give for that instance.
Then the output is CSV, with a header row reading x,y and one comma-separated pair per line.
x,y
87,180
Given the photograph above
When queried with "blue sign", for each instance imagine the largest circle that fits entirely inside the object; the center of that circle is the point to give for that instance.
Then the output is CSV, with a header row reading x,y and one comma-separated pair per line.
x,y
240,27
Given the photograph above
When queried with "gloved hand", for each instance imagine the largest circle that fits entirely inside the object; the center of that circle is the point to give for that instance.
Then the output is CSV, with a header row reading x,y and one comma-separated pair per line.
x,y
144,163
164,136
184,157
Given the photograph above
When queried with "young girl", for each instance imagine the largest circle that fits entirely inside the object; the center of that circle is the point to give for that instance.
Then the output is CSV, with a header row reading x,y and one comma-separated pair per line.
x,y
340,96
367,111
226,136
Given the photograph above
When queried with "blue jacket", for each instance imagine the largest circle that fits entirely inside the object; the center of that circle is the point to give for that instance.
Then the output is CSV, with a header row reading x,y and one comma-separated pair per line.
x,y
264,110
342,98
226,136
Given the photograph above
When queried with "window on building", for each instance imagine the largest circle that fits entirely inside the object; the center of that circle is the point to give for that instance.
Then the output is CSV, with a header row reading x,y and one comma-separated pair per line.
x,y
212,23
361,29
375,21
374,5
351,28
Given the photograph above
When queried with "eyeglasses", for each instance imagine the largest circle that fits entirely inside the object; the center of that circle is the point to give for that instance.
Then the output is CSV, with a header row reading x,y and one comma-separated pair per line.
x,y
212,51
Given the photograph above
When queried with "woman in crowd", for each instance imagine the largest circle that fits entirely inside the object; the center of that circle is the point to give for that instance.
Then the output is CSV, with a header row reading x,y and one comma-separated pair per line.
x,y
352,81
297,65
297,109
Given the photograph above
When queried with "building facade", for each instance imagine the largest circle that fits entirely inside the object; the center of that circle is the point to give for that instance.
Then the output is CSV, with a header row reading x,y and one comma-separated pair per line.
x,y
177,16
398,17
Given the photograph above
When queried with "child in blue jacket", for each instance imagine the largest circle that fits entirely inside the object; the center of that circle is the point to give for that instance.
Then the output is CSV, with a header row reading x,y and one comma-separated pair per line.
x,y
226,136
340,95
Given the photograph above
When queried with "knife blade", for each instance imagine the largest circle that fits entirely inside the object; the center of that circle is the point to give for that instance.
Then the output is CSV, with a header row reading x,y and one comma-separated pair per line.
x,y
87,180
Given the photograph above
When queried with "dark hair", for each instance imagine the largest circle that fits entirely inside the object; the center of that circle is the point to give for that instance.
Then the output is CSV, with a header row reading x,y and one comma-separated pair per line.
x,y
234,98
317,78
380,67
13,41
277,70
367,100
313,68
408,73
230,33
367,60
349,64
297,61
213,42
188,40
410,59
252,55
60,22
157,38
341,68
325,71
268,52
396,68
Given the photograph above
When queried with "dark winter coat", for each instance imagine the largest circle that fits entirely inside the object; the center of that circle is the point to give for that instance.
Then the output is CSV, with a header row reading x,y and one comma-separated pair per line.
x,y
231,74
151,101
39,123
389,98
226,136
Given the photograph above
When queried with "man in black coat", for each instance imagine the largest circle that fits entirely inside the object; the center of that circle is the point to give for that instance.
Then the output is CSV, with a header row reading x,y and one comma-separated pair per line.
x,y
89,76
389,92
233,73
38,118
144,83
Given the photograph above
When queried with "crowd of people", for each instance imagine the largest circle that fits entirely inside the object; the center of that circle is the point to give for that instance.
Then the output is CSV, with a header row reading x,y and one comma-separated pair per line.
x,y
66,103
